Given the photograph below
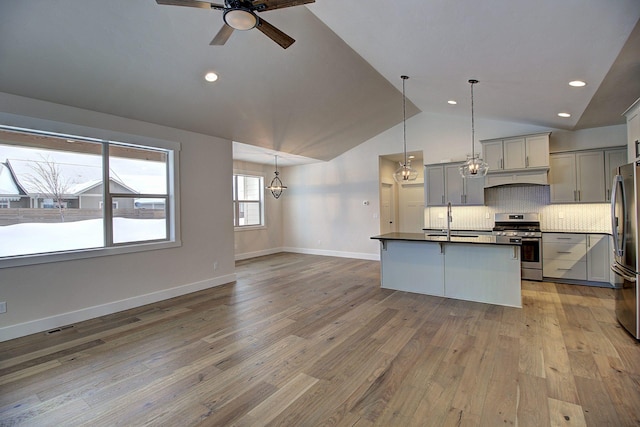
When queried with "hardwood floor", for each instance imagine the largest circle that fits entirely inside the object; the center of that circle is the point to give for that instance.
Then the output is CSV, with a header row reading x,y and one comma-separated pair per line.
x,y
305,340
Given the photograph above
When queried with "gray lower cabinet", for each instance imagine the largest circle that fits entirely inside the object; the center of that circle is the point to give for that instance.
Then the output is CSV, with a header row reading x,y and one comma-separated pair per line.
x,y
598,265
576,257
564,256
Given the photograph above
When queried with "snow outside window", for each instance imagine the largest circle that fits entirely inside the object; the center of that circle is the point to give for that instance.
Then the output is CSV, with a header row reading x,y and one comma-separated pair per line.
x,y
60,203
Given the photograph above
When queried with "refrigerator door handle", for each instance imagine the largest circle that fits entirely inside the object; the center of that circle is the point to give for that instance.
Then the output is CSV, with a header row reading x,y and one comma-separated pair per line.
x,y
622,274
617,247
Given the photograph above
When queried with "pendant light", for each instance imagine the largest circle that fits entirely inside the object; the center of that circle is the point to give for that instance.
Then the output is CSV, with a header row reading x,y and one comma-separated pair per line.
x,y
475,167
276,186
405,172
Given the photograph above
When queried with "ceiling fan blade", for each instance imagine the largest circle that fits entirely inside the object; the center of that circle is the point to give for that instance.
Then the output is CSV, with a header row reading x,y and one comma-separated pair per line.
x,y
191,3
222,36
262,5
274,34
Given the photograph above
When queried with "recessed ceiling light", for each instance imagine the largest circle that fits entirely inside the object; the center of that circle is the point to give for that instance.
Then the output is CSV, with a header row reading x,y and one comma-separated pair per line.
x,y
564,114
577,83
211,76
452,102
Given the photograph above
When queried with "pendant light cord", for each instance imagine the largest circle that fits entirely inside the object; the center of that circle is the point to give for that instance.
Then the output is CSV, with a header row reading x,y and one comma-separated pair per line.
x,y
404,120
473,128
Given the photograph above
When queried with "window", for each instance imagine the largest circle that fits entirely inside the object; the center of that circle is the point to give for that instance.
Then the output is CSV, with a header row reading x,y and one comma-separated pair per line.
x,y
61,205
248,198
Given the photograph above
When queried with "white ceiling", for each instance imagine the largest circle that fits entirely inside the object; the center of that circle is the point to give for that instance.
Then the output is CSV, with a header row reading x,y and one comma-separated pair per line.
x,y
339,84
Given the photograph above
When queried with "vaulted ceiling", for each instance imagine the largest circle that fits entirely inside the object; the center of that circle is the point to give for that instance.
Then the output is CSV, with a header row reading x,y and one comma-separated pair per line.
x,y
339,84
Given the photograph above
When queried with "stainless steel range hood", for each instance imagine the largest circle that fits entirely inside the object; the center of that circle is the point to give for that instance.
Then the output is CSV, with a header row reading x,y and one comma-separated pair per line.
x,y
538,176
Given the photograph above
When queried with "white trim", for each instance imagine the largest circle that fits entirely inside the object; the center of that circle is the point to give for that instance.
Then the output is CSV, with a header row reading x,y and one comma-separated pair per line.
x,y
341,254
255,254
47,323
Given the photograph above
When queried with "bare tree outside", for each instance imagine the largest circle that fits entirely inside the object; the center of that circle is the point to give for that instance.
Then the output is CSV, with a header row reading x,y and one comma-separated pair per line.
x,y
48,180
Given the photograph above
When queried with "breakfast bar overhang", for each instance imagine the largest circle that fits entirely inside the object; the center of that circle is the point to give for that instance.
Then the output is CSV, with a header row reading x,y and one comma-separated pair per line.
x,y
471,268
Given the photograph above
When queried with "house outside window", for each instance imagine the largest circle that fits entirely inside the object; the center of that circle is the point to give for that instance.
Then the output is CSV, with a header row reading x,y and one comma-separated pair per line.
x,y
58,183
248,201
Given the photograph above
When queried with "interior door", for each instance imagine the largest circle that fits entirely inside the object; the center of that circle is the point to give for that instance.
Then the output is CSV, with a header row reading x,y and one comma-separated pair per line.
x,y
411,216
387,220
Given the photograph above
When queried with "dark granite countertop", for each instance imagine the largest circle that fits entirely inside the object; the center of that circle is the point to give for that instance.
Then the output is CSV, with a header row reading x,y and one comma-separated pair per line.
x,y
437,238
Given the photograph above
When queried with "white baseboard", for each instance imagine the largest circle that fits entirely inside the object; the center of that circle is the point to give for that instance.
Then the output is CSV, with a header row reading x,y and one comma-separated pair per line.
x,y
47,323
341,254
264,252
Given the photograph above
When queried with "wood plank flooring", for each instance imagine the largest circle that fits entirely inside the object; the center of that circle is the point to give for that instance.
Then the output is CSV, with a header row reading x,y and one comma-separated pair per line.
x,y
303,340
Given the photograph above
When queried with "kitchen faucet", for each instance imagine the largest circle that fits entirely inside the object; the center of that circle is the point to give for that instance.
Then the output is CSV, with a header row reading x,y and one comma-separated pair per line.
x,y
449,219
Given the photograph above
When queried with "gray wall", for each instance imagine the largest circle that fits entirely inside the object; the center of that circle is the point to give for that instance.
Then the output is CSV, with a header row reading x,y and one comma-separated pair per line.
x,y
42,296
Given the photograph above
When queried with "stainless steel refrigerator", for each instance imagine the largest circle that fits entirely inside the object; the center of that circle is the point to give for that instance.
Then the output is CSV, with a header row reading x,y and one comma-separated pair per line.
x,y
625,203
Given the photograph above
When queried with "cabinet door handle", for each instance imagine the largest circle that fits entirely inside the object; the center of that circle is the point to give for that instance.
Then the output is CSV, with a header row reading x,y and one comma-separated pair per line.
x,y
578,195
564,269
443,199
501,163
462,199
526,161
563,252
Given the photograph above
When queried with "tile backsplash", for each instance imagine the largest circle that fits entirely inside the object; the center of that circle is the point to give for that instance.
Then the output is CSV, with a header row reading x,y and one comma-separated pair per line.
x,y
586,217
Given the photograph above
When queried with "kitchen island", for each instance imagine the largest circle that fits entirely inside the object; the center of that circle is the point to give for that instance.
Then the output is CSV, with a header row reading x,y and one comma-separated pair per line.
x,y
466,267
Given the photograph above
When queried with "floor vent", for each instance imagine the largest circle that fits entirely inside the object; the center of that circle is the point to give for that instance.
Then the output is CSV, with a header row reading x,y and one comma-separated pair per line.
x,y
60,329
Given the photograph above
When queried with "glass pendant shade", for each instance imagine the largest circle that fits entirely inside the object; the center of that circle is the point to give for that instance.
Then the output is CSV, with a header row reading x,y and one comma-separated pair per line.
x,y
405,172
276,185
474,167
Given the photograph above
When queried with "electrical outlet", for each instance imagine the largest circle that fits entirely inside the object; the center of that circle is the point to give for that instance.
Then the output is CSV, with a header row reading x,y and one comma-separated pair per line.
x,y
3,307
215,265
560,215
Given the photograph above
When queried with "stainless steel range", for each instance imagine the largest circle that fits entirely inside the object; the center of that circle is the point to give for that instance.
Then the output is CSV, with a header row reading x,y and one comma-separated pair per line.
x,y
523,228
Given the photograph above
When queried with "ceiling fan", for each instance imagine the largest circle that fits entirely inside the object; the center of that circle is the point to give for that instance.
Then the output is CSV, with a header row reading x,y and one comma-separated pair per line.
x,y
241,15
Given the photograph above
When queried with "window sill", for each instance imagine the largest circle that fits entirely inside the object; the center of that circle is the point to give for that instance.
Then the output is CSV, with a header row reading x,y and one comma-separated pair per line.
x,y
26,260
250,228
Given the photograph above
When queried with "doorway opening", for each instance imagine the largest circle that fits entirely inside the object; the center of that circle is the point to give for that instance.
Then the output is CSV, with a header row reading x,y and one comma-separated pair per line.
x,y
401,205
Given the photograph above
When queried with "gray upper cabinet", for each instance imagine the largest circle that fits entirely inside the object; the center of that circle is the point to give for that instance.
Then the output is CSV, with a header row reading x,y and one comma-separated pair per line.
x,y
562,178
445,184
520,152
537,151
434,185
583,176
590,177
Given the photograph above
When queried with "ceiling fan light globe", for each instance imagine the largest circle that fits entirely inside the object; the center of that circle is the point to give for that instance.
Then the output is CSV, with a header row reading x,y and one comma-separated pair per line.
x,y
240,19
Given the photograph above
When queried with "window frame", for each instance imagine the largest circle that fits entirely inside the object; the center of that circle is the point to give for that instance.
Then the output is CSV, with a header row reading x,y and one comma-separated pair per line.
x,y
236,202
106,139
